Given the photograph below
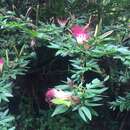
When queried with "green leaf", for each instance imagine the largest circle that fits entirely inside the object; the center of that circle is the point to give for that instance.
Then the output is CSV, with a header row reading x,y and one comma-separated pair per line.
x,y
89,95
8,94
62,87
59,101
59,110
13,128
85,113
97,91
76,108
106,34
5,98
93,104
82,115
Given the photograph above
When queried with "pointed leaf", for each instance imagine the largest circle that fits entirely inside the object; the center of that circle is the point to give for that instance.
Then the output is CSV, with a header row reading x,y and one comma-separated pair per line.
x,y
59,101
82,115
59,110
86,112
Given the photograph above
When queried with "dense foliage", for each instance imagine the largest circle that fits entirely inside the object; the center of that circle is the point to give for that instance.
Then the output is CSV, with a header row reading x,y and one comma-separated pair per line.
x,y
64,64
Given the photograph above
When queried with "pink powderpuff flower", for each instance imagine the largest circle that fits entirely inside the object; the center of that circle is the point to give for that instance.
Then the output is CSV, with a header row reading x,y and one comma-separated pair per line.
x,y
1,64
54,93
80,33
62,22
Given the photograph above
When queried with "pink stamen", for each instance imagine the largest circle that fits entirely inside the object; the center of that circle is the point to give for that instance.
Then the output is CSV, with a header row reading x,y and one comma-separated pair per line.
x,y
54,93
1,61
80,33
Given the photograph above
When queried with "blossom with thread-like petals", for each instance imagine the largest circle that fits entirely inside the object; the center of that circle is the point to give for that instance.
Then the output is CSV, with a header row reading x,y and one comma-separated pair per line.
x,y
80,33
54,93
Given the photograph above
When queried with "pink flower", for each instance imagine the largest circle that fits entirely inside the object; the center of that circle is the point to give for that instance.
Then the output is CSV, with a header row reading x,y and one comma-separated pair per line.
x,y
1,61
1,64
33,42
54,93
80,33
62,22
